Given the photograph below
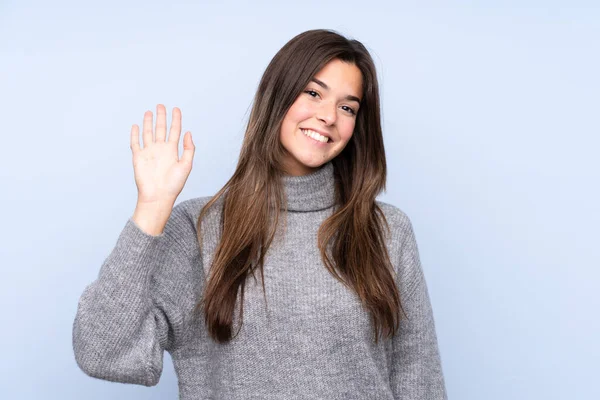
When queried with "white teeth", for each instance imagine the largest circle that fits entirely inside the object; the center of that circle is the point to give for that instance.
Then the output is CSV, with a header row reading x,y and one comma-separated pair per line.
x,y
315,135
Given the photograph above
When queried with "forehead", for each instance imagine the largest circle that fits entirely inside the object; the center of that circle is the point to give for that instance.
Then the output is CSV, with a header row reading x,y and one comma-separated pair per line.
x,y
342,77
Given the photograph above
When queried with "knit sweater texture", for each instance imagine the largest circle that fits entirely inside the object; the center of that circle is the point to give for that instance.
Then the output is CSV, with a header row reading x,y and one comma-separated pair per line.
x,y
312,340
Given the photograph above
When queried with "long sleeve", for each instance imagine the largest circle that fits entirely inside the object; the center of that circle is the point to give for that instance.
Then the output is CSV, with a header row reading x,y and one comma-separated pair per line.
x,y
130,314
416,364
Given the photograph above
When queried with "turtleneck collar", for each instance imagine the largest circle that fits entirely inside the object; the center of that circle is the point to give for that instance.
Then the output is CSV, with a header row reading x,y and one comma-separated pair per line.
x,y
312,192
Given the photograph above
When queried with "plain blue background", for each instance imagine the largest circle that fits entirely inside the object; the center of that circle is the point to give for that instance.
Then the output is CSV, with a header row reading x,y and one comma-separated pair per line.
x,y
491,124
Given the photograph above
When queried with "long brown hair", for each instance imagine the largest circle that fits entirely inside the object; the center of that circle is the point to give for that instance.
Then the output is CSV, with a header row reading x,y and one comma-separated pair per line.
x,y
254,195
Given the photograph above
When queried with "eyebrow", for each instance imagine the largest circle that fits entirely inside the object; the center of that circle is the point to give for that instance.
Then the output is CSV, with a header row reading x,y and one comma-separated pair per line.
x,y
324,86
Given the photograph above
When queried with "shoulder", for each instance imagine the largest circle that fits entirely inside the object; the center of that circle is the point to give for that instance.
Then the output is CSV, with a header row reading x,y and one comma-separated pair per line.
x,y
399,222
182,225
402,247
190,209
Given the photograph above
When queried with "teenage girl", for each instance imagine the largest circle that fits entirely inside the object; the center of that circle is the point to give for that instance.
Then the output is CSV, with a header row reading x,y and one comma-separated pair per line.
x,y
292,282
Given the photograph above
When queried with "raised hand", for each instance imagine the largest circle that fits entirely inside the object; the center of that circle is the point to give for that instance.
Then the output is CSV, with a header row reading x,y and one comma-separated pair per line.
x,y
160,174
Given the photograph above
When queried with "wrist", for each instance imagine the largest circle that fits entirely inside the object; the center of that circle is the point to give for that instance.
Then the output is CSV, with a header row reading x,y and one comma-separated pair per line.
x,y
152,217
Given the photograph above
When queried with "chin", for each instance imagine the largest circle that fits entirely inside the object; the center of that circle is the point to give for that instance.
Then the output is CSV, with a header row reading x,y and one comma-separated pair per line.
x,y
305,165
314,162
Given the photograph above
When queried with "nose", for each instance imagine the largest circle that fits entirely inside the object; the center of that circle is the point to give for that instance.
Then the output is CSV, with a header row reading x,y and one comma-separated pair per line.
x,y
327,113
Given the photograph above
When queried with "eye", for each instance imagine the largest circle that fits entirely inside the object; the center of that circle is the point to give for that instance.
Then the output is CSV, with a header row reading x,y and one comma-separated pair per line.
x,y
310,93
350,110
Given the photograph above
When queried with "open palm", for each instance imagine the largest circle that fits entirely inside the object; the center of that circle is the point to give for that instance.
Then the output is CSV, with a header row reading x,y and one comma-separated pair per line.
x,y
160,174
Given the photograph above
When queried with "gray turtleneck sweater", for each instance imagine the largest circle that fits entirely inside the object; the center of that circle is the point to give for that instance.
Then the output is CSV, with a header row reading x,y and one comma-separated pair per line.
x,y
314,341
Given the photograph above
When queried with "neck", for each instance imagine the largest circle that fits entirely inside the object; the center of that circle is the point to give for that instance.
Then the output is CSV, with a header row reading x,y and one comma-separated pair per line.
x,y
311,192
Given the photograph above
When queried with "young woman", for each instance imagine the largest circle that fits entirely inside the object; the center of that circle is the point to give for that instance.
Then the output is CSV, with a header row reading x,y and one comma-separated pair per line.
x,y
292,282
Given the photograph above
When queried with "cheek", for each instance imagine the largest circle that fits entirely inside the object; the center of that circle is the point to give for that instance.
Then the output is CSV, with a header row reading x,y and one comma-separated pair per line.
x,y
295,115
299,111
346,129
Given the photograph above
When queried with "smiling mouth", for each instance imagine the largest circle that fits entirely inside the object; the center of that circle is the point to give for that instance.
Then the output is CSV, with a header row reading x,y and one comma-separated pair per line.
x,y
316,136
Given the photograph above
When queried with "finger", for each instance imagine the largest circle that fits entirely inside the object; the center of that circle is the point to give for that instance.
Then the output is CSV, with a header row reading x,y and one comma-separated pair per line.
x,y
161,123
135,139
147,129
175,131
188,149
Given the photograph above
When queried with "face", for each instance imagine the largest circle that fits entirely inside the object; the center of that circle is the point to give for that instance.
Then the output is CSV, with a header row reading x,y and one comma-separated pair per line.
x,y
325,110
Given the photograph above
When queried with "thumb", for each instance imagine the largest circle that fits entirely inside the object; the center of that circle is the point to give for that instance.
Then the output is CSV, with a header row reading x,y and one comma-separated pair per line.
x,y
188,148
